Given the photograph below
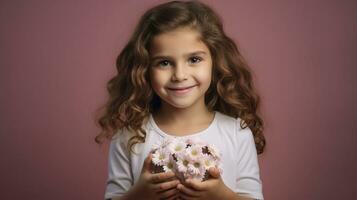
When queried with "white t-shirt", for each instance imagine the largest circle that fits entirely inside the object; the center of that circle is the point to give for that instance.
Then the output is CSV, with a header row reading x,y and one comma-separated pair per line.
x,y
237,147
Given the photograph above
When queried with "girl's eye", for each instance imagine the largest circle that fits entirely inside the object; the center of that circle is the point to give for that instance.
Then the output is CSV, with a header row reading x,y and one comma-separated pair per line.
x,y
194,60
164,63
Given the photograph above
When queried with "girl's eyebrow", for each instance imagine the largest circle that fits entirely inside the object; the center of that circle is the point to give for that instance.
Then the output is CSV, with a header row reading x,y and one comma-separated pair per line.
x,y
186,55
196,53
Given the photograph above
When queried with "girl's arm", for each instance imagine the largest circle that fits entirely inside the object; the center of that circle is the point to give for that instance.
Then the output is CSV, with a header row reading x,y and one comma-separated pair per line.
x,y
120,177
120,180
152,186
229,194
213,189
131,194
235,196
248,182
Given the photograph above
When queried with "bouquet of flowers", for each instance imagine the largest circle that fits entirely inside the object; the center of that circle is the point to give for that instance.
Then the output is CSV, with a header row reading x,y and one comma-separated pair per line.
x,y
190,158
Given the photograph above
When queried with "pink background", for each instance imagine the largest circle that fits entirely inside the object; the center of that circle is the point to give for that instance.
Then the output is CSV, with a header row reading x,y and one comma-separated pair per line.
x,y
56,57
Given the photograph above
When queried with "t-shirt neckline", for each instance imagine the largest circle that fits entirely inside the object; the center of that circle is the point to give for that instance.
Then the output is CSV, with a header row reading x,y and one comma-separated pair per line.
x,y
164,134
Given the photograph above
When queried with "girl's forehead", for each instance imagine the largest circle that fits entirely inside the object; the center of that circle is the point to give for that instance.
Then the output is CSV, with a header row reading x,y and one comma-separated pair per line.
x,y
181,40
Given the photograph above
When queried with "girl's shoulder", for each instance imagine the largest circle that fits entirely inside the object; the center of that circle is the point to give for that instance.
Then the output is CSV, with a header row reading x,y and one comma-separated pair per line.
x,y
235,137
124,133
231,123
121,135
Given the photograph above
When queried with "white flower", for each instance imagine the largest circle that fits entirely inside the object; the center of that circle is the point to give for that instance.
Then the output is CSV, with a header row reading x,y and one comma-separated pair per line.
x,y
214,152
160,157
182,162
208,161
177,146
194,152
196,167
170,166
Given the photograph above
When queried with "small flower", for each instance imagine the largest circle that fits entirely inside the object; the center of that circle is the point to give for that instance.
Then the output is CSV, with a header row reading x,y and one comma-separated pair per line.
x,y
194,152
214,152
196,167
177,146
182,163
208,161
160,157
170,166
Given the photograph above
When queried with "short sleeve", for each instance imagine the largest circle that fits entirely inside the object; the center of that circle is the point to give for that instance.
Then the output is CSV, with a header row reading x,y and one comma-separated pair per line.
x,y
120,177
248,183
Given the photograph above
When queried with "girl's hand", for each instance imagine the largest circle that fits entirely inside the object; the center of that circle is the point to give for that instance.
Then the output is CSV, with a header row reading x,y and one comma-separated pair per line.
x,y
156,186
213,188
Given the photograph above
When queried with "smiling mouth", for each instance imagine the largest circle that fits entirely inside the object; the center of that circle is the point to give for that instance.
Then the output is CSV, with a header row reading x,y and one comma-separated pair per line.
x,y
182,88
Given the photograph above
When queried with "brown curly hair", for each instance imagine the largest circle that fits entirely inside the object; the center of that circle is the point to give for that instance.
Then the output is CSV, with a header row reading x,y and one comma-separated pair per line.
x,y
131,98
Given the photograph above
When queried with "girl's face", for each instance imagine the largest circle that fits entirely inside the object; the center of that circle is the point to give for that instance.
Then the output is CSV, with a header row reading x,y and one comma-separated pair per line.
x,y
181,68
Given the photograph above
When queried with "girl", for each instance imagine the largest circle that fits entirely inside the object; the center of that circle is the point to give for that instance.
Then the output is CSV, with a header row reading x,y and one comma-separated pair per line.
x,y
181,76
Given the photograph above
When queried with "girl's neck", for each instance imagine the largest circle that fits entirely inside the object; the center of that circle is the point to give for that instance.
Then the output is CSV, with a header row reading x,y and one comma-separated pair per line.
x,y
169,115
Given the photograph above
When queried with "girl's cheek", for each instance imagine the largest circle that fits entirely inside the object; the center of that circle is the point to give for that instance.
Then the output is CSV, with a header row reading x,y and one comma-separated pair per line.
x,y
204,75
157,78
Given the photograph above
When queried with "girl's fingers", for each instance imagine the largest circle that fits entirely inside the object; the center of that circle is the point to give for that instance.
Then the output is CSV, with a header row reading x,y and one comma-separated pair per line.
x,y
168,194
214,172
186,197
160,177
188,191
166,185
195,184
173,197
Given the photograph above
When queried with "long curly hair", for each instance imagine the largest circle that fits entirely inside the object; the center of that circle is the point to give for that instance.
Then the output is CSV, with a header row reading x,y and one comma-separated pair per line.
x,y
131,98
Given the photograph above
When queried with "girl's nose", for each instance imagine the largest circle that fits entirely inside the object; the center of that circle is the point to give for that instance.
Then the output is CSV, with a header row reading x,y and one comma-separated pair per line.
x,y
179,73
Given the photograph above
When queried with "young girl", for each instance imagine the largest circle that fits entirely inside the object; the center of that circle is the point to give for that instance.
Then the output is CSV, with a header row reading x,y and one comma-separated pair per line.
x,y
180,76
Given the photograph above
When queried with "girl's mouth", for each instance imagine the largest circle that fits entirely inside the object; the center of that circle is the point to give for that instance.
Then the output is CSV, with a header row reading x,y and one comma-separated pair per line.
x,y
181,88
180,91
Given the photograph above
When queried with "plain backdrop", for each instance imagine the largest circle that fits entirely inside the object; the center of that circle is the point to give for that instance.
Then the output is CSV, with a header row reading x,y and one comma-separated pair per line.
x,y
57,56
